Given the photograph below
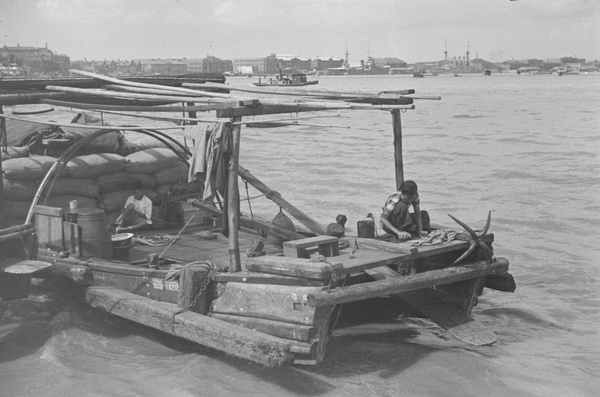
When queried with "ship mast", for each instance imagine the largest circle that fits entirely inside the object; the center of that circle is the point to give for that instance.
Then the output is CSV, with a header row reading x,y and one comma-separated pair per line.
x,y
467,52
346,64
445,50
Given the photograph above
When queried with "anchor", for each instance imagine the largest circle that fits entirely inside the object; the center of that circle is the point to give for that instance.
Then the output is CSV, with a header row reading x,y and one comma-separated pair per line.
x,y
475,240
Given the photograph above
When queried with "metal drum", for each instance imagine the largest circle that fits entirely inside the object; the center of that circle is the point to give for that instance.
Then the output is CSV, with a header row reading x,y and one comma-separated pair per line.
x,y
95,238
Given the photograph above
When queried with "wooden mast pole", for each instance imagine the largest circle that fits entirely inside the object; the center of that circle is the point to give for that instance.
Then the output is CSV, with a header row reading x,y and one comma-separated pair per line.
x,y
233,196
399,165
3,136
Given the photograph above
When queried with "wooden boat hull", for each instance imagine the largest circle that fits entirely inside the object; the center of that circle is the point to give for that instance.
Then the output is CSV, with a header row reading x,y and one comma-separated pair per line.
x,y
285,316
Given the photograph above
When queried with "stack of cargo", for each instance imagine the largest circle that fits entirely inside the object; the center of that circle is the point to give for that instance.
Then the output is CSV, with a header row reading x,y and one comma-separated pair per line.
x,y
101,180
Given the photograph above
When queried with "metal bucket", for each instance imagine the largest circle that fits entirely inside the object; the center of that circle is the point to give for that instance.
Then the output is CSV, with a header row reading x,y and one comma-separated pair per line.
x,y
95,239
121,245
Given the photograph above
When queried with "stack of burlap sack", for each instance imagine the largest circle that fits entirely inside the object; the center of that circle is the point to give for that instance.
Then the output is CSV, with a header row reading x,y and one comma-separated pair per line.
x,y
101,180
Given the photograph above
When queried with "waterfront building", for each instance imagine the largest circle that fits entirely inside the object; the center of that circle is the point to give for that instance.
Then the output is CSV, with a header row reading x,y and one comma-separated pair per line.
x,y
162,66
34,60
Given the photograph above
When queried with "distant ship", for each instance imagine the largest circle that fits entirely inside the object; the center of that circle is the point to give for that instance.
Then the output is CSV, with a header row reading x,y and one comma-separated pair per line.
x,y
369,68
569,69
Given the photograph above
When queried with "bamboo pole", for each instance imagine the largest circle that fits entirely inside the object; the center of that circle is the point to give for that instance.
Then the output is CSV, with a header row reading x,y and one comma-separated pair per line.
x,y
233,197
91,127
148,108
299,104
274,196
301,91
129,95
147,85
156,91
399,165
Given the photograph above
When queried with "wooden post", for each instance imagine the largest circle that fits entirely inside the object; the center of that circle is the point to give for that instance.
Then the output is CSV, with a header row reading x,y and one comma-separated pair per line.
x,y
3,136
233,197
192,113
397,125
191,281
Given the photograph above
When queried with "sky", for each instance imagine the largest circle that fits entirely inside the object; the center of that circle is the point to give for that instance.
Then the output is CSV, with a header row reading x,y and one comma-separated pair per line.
x,y
411,30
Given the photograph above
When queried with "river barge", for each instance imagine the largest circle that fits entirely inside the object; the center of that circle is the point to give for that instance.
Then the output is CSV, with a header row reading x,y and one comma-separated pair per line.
x,y
262,291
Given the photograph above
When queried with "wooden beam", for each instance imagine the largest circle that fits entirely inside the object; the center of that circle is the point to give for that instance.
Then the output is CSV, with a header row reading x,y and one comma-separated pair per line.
x,y
297,332
270,302
264,110
274,107
261,227
398,162
294,267
229,338
233,198
306,220
265,278
408,283
3,137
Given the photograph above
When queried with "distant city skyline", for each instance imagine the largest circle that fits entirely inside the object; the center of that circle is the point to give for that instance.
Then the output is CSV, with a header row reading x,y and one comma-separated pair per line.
x,y
411,30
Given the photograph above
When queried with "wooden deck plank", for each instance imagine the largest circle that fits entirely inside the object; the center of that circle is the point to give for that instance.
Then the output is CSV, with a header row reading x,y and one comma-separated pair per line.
x,y
407,283
265,278
295,267
270,302
229,338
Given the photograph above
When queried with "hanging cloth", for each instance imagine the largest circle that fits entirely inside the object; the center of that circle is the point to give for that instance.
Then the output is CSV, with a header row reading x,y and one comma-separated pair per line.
x,y
212,149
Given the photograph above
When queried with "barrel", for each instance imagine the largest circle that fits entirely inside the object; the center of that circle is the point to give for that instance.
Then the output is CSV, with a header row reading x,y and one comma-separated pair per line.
x,y
95,239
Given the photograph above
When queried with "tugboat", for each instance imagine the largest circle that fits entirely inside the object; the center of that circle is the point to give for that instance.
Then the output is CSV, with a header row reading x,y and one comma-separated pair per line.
x,y
291,80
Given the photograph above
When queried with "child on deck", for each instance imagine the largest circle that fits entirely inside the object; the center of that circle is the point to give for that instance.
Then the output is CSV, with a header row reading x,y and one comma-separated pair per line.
x,y
136,214
396,218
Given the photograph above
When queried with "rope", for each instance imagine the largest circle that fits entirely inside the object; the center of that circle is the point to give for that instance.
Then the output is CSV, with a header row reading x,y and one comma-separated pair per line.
x,y
155,241
248,199
181,231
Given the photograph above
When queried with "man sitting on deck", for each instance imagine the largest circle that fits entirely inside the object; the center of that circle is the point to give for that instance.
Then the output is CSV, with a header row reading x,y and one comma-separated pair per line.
x,y
396,218
136,214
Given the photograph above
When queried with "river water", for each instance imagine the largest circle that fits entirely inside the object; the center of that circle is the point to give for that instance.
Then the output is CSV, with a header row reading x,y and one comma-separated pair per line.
x,y
525,147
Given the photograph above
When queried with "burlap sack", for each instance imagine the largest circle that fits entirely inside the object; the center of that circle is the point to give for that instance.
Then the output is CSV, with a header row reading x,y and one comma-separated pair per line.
x,y
150,161
94,165
75,186
172,174
14,152
32,168
19,190
124,180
